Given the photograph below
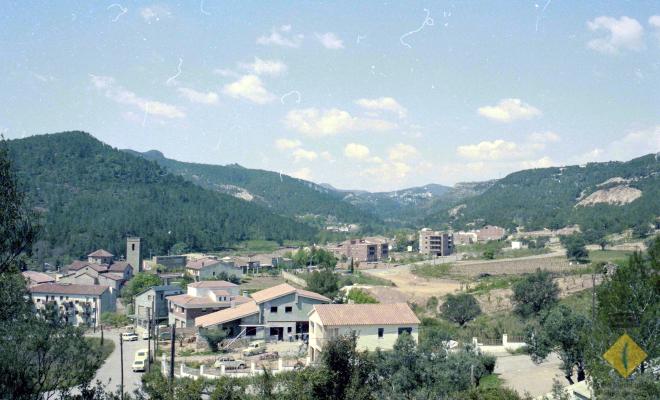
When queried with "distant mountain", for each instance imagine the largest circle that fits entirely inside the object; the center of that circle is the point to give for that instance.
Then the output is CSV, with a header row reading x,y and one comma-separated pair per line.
x,y
307,201
606,197
399,207
90,195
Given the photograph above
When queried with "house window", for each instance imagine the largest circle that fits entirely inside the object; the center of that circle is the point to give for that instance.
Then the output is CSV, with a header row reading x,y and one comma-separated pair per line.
x,y
288,329
273,310
288,309
61,297
381,332
408,330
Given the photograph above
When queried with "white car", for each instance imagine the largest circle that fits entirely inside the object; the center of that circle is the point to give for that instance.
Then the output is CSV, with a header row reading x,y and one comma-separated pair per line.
x,y
139,365
129,337
145,335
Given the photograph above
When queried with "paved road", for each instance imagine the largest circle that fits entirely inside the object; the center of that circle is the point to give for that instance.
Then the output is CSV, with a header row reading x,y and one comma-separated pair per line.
x,y
110,374
521,374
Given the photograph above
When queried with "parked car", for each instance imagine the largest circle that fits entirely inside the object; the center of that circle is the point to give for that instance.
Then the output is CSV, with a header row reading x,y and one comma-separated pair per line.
x,y
254,348
273,355
145,335
139,365
141,354
230,364
129,336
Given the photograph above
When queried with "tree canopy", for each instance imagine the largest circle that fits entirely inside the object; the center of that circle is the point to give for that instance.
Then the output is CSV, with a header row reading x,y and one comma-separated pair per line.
x,y
535,292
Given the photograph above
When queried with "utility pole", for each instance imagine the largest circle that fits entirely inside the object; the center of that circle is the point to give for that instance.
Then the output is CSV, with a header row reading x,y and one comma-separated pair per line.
x,y
154,326
172,336
149,341
121,363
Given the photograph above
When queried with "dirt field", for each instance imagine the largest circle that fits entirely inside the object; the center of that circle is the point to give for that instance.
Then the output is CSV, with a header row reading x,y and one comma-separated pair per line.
x,y
261,282
413,288
550,262
500,299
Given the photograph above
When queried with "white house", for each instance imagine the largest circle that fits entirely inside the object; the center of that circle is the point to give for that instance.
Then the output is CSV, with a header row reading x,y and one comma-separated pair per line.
x,y
210,268
376,325
77,304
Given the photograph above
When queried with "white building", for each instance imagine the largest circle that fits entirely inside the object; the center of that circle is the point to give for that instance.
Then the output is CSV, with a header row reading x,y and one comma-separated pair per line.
x,y
376,325
76,304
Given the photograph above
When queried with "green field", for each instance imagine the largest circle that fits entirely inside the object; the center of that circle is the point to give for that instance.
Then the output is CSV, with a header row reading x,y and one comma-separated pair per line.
x,y
615,256
431,270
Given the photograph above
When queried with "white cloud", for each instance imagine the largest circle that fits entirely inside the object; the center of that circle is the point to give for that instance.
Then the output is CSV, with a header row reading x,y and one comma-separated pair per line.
x,y
281,37
249,87
495,150
315,122
654,21
543,162
287,144
635,144
121,95
330,41
198,97
154,13
300,154
388,172
227,73
544,137
623,34
265,67
508,110
402,152
383,104
327,156
356,151
303,173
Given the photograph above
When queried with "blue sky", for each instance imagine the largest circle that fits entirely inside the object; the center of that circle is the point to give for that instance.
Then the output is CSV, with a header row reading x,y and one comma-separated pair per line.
x,y
370,95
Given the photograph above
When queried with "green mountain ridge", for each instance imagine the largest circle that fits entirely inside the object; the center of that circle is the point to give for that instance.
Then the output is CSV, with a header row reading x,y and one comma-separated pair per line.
x,y
280,193
549,197
90,195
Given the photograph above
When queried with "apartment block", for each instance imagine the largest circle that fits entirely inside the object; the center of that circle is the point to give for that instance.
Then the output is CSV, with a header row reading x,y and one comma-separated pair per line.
x,y
435,242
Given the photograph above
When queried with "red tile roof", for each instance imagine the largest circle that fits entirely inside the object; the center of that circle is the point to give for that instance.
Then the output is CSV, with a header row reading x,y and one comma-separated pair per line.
x,y
119,266
212,284
59,288
283,290
188,301
365,314
230,314
38,277
202,263
100,253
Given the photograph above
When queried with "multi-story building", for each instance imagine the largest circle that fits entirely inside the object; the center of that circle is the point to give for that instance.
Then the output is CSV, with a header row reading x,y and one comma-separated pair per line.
x,y
435,243
75,304
363,250
377,326
152,303
202,298
280,312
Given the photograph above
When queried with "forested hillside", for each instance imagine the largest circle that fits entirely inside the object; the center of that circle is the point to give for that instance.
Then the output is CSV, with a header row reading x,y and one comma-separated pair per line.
x,y
610,197
90,195
281,193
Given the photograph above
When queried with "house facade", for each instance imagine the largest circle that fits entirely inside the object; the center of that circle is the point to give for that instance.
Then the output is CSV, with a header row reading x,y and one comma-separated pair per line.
x,y
153,300
377,326
202,298
277,313
490,232
211,267
75,304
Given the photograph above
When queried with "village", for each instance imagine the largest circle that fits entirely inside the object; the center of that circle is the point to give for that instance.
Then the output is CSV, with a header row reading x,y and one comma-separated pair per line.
x,y
209,315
